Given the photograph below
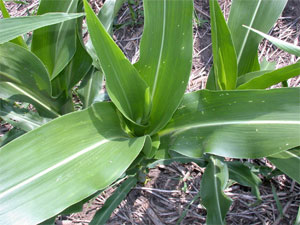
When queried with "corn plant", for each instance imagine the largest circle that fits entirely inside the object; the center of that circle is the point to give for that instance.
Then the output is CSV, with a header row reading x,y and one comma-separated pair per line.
x,y
68,157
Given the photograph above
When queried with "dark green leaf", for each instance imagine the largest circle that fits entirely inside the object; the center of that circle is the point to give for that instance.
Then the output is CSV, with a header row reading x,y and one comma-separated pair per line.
x,y
242,174
21,118
213,183
90,87
288,162
10,135
103,214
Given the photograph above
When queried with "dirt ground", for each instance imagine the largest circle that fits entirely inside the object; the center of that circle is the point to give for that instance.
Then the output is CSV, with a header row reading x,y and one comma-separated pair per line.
x,y
169,195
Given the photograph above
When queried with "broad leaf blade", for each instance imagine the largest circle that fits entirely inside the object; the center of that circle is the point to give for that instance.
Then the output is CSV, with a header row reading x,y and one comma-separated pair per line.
x,y
14,27
55,45
256,80
76,154
225,61
288,162
288,47
113,201
236,124
213,183
258,14
124,85
165,55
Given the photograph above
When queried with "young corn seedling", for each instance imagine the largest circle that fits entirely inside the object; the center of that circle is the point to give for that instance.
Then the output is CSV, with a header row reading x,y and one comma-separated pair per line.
x,y
149,119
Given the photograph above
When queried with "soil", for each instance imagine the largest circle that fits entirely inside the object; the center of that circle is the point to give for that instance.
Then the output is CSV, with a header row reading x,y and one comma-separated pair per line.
x,y
169,195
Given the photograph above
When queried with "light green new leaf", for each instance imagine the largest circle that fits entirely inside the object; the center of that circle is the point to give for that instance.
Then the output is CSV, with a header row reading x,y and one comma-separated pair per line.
x,y
90,87
125,87
225,61
288,47
214,180
55,45
265,79
258,14
236,124
103,214
242,174
166,56
14,27
288,162
21,118
76,154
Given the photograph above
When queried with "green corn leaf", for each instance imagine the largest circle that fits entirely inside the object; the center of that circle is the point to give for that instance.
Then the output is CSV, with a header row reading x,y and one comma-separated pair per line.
x,y
166,56
55,45
125,87
90,87
19,40
258,14
108,12
21,118
76,154
25,73
262,80
242,174
76,69
285,46
106,15
225,61
46,106
249,76
14,27
288,162
113,201
216,122
214,180
21,67
265,65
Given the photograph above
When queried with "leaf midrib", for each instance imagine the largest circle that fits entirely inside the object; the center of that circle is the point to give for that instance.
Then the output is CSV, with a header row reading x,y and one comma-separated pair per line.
x,y
223,123
248,31
160,51
55,166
